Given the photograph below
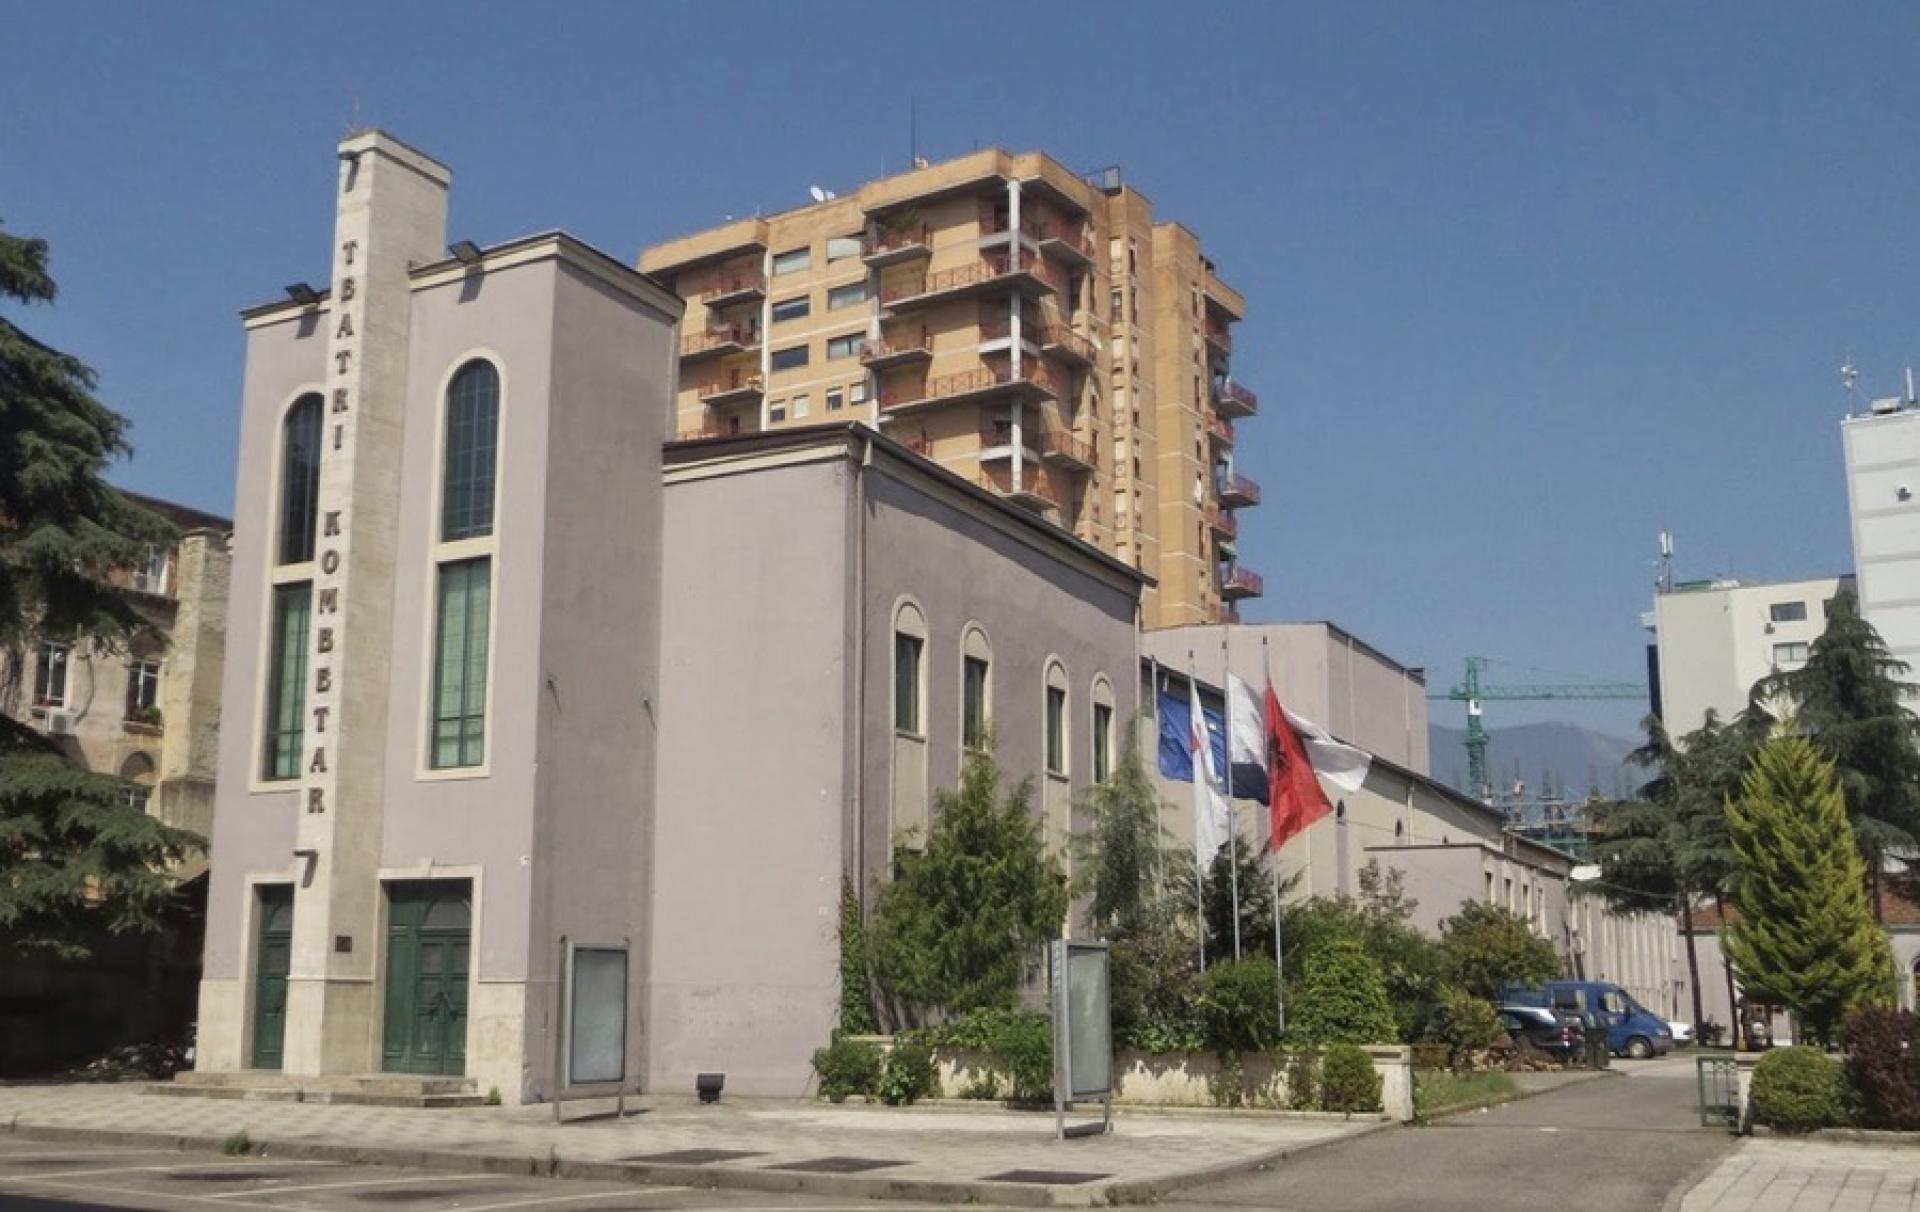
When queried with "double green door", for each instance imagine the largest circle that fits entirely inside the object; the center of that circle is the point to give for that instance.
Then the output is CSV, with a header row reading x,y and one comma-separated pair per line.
x,y
273,958
429,928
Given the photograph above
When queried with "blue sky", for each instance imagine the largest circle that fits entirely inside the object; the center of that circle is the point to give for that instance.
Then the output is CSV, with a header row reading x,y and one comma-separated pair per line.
x,y
1526,282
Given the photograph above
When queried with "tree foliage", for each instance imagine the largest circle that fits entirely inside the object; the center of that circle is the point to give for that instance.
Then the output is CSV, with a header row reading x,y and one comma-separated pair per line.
x,y
1805,937
1250,870
963,922
75,855
1381,919
1120,854
1342,998
856,990
1485,948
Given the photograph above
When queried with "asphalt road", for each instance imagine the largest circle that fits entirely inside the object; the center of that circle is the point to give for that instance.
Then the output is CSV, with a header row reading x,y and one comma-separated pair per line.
x,y
1614,1144
41,1176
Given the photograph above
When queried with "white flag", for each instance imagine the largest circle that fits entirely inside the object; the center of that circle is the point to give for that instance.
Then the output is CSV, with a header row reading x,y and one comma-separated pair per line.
x,y
1209,806
1342,765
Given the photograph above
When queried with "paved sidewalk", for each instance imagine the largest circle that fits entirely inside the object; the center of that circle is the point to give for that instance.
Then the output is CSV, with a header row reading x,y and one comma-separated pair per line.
x,y
1768,1174
936,1153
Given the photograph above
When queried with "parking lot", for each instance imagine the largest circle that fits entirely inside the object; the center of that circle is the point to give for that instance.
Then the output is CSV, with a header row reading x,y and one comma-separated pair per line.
x,y
61,1176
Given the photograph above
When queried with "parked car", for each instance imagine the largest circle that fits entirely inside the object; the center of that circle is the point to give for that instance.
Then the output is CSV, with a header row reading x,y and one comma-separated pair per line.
x,y
1559,1036
1632,1029
1682,1032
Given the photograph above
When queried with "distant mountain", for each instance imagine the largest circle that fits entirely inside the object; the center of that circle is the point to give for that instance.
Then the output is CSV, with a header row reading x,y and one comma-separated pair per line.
x,y
1564,758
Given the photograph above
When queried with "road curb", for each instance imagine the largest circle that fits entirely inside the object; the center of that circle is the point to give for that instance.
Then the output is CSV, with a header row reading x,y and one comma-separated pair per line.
x,y
955,1191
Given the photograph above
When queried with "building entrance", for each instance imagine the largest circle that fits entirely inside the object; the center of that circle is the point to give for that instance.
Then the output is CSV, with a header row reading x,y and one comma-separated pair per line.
x,y
273,957
429,928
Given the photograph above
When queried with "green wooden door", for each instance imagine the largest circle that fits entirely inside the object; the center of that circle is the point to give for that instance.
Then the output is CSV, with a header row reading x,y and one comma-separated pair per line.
x,y
429,927
273,956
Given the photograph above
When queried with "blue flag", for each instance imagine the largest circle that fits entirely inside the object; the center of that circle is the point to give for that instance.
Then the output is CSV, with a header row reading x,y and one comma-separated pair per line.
x,y
1176,743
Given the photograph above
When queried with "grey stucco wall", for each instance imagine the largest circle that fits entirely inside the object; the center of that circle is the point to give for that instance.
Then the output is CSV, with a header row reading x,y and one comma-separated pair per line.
x,y
748,835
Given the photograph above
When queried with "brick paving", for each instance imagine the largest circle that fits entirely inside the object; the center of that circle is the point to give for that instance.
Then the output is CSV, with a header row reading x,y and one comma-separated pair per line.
x,y
1769,1174
927,1145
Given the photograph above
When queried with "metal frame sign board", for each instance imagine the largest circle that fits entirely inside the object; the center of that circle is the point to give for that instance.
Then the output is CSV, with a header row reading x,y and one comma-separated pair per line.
x,y
592,1056
1082,1033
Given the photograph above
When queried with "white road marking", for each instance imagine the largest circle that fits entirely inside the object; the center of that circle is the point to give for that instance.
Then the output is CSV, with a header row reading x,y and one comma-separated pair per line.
x,y
365,1182
102,1154
41,1178
574,1199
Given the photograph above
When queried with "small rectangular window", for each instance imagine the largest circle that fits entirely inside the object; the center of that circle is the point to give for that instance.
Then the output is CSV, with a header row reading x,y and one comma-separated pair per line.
x,y
800,404
286,681
792,261
839,248
50,676
1102,742
791,358
1056,730
1788,612
906,682
844,346
460,663
1790,654
143,688
836,399
795,308
857,393
851,295
777,412
973,703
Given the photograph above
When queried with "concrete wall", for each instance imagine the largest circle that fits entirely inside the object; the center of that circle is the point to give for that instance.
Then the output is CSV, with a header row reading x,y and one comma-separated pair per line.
x,y
1883,478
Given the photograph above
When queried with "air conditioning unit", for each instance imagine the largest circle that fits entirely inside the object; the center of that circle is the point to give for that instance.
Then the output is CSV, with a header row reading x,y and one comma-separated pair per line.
x,y
59,723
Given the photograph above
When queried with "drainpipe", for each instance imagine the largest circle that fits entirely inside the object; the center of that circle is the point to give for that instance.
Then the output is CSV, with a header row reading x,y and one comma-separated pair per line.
x,y
857,692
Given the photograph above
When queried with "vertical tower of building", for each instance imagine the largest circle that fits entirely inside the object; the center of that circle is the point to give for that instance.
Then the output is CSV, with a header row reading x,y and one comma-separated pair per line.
x,y
1034,332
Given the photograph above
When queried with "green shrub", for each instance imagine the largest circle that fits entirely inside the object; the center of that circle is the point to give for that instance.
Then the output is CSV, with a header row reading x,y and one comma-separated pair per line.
x,y
1435,1091
1465,1024
1883,1067
1303,1081
237,1144
909,1075
847,1067
1018,1043
1485,948
1799,1090
1240,1007
1348,1080
1343,997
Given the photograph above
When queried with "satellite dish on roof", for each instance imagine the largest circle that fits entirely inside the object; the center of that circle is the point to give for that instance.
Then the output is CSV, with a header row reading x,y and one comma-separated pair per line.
x,y
821,195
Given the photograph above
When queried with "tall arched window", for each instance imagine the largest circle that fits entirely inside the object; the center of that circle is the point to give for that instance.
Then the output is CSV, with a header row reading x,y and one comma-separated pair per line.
x,y
299,479
976,688
463,569
1056,719
473,438
909,670
1102,728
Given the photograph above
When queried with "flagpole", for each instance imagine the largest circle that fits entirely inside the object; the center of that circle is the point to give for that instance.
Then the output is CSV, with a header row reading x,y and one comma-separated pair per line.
x,y
1233,822
1199,774
1279,955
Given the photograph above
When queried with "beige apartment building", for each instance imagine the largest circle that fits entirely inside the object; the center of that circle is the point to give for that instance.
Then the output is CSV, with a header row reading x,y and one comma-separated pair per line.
x,y
1042,335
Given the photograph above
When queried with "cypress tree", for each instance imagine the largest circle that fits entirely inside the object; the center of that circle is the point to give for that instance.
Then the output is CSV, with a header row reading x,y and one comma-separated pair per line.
x,y
1806,937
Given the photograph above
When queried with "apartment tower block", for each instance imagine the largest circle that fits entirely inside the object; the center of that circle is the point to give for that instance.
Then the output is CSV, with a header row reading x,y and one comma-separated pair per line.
x,y
1039,333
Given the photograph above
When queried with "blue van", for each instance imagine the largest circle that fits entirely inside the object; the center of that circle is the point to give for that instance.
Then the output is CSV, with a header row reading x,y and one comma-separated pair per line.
x,y
1632,1029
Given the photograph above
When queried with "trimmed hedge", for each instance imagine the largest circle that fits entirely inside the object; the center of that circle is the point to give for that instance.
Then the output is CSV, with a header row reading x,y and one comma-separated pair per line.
x,y
1348,1080
848,1067
1882,1067
1799,1090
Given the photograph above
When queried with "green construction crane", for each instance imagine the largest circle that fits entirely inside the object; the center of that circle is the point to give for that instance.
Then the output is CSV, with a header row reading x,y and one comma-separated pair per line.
x,y
1471,692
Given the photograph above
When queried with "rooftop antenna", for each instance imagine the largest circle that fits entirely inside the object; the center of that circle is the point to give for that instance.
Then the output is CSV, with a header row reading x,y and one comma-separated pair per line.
x,y
1911,400
1666,561
913,132
1850,380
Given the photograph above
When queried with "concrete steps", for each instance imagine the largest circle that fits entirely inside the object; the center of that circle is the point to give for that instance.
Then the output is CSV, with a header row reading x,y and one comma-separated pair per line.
x,y
365,1090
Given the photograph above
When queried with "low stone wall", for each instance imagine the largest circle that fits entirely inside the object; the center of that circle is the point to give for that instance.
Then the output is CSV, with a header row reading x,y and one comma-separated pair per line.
x,y
1196,1079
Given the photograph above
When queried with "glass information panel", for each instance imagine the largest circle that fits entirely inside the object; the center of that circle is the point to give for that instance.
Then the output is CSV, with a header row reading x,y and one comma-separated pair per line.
x,y
1089,1026
597,1017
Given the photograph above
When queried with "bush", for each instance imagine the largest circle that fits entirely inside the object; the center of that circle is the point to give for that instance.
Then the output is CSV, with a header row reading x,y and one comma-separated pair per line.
x,y
909,1075
1343,998
1018,1043
1485,948
1303,1081
847,1067
1348,1080
1798,1090
1240,1007
1882,1068
1466,1025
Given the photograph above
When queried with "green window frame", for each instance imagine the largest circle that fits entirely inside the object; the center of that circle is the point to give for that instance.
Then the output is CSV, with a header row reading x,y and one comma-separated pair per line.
x,y
287,682
463,609
299,480
472,443
973,703
1056,730
1102,742
907,651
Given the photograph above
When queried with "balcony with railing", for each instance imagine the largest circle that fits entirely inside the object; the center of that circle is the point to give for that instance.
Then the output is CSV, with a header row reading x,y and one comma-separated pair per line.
x,y
718,342
1219,339
1062,449
1221,429
900,348
1237,582
1225,613
886,246
1059,341
1019,270
1063,239
1237,491
1223,523
733,288
996,441
1233,400
1033,488
722,391
1034,381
